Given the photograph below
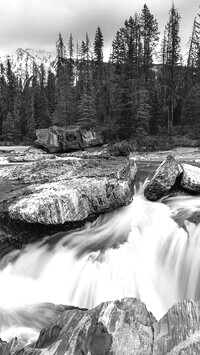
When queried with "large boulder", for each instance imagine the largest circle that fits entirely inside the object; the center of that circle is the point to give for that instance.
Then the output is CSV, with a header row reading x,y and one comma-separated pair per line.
x,y
64,139
191,178
120,327
64,191
163,179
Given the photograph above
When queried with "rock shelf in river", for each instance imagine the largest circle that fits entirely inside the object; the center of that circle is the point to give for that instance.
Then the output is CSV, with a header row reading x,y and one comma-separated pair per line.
x,y
56,192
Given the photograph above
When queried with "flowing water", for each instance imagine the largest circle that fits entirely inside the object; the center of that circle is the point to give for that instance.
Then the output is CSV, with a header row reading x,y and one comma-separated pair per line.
x,y
137,251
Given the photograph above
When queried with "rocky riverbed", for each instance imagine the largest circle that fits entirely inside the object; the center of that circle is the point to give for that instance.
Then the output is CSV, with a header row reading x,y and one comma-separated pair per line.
x,y
44,193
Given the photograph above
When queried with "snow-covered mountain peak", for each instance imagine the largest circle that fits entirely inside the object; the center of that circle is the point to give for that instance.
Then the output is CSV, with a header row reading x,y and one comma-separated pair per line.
x,y
22,61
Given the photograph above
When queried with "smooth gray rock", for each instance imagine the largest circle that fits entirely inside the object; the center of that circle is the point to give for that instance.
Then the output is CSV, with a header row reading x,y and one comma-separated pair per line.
x,y
191,178
163,179
56,192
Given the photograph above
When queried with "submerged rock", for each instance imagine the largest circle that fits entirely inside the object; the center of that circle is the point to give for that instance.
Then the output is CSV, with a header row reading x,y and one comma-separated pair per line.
x,y
64,139
58,192
163,179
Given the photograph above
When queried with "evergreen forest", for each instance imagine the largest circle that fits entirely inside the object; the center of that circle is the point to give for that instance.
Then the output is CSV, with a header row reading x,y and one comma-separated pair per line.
x,y
146,88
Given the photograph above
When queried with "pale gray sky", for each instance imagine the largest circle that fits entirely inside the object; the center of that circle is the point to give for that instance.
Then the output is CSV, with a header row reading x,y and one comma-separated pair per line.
x,y
35,23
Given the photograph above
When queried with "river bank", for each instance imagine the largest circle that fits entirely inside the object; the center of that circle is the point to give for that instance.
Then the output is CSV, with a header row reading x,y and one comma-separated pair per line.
x,y
182,153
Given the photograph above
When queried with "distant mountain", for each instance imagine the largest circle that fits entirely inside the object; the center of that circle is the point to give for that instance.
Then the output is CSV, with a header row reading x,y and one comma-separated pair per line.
x,y
22,61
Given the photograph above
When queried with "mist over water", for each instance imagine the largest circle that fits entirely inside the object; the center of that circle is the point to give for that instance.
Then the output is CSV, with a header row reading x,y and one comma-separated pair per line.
x,y
136,251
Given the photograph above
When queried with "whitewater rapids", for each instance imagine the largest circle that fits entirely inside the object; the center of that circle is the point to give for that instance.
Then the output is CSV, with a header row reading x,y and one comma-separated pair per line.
x,y
136,251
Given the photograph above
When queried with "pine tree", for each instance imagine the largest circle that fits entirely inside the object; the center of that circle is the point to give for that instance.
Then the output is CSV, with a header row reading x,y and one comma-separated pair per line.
x,y
71,62
193,46
43,114
149,39
3,97
173,61
191,70
162,81
98,74
127,60
98,46
86,108
61,49
60,114
71,47
118,48
32,116
71,77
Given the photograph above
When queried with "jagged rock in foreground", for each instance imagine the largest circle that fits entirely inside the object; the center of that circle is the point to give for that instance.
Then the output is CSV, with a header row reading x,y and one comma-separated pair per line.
x,y
163,179
117,328
120,327
53,192
191,178
61,139
32,318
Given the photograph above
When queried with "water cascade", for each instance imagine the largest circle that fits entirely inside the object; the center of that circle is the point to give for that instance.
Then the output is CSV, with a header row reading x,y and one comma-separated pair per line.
x,y
137,251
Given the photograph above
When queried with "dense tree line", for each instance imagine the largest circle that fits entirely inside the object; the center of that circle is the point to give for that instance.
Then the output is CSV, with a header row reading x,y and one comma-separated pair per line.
x,y
145,88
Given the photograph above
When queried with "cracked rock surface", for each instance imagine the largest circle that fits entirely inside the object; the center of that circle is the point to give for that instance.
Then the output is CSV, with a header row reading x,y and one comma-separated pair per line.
x,y
55,192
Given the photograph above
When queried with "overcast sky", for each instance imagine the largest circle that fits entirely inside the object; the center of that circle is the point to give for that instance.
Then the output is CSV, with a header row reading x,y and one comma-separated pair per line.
x,y
36,23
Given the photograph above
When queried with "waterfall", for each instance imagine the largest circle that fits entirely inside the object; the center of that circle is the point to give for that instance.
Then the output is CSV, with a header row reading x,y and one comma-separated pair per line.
x,y
136,251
